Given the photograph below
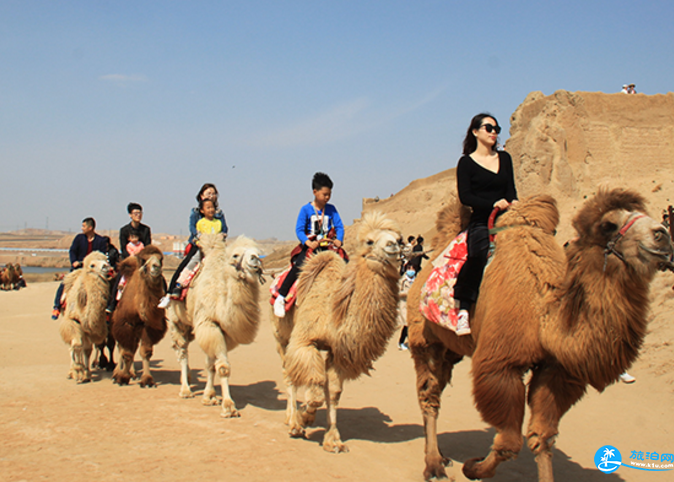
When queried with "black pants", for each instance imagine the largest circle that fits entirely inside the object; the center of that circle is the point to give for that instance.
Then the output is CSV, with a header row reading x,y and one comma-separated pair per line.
x,y
467,285
181,267
297,262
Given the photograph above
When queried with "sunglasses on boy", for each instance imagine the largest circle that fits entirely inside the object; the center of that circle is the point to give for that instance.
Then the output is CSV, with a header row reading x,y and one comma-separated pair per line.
x,y
489,128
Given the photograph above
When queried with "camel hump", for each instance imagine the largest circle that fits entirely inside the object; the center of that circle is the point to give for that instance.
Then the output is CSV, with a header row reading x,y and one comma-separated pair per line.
x,y
312,268
209,242
129,266
539,210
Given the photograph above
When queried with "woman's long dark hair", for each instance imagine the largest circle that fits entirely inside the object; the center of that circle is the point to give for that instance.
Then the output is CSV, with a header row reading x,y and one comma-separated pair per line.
x,y
201,191
470,142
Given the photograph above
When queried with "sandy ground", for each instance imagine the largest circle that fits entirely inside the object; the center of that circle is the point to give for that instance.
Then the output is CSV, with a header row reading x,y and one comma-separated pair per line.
x,y
54,429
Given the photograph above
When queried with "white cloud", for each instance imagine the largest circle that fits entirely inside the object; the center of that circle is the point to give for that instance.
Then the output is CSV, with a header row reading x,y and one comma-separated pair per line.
x,y
124,79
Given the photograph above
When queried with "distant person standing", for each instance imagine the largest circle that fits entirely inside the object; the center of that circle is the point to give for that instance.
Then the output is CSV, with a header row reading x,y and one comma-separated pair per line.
x,y
625,90
135,211
631,89
418,255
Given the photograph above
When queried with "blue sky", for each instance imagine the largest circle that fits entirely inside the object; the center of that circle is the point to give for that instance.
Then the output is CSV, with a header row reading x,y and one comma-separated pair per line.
x,y
102,103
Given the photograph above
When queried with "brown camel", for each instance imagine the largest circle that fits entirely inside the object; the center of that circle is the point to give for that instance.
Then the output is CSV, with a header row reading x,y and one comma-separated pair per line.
x,y
347,310
221,310
137,317
573,319
9,277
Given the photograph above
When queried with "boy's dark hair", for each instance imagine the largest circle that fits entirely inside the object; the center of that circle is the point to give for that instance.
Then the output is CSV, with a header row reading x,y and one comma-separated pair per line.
x,y
134,232
420,239
320,181
90,222
410,238
133,206
204,201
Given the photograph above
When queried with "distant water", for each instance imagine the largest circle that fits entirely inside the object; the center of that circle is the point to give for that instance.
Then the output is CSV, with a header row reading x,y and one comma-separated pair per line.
x,y
40,269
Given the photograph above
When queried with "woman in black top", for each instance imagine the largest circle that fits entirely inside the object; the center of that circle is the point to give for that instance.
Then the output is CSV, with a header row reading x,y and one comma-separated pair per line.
x,y
485,181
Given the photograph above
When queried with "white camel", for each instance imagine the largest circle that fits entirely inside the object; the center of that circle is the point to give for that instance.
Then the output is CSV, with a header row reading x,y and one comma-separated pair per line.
x,y
221,310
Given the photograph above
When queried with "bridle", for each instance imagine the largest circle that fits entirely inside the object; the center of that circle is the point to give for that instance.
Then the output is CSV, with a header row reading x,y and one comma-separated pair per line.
x,y
611,245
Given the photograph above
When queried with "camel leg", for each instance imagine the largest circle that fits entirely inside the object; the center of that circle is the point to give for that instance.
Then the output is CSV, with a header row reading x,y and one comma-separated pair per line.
x,y
499,394
122,374
146,351
210,397
181,346
87,348
332,441
305,367
433,364
552,392
212,341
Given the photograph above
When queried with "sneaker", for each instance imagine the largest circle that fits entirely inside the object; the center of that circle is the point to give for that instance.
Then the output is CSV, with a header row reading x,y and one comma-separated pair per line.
x,y
280,306
55,314
403,346
177,291
164,302
462,326
627,378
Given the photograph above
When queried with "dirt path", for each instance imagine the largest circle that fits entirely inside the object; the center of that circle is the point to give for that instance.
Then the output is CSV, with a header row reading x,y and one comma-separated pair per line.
x,y
53,429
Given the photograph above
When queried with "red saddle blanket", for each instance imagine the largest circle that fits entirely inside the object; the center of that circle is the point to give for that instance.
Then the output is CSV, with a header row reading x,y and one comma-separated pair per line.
x,y
290,298
437,295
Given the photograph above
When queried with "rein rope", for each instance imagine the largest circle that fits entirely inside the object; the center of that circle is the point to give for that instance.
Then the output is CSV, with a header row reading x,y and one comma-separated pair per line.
x,y
611,245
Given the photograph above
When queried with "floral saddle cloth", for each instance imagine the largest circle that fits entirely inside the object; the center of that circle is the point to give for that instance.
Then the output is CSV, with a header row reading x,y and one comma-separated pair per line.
x,y
437,295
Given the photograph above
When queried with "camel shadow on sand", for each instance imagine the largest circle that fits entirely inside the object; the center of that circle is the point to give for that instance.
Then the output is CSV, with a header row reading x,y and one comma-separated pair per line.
x,y
372,425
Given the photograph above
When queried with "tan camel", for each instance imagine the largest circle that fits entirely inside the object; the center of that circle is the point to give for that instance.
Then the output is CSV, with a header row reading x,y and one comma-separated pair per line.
x,y
9,277
221,310
137,319
83,322
573,319
347,310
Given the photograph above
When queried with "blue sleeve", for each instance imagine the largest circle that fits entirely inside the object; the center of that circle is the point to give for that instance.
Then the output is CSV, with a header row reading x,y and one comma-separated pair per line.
x,y
337,223
194,217
303,220
221,217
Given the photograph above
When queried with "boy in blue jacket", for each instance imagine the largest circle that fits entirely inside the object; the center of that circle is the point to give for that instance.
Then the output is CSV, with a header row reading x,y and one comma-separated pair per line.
x,y
314,222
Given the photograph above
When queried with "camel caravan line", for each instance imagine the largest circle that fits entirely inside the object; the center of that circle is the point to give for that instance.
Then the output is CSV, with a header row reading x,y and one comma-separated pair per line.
x,y
571,317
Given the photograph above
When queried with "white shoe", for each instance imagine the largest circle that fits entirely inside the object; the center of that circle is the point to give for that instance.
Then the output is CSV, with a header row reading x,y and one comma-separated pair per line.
x,y
164,302
627,378
403,346
462,326
280,306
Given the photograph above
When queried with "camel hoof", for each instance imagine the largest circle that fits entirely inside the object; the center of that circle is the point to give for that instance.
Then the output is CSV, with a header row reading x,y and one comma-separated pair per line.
x,y
120,379
307,418
186,393
84,380
147,381
335,447
230,413
210,401
435,467
110,367
474,471
297,432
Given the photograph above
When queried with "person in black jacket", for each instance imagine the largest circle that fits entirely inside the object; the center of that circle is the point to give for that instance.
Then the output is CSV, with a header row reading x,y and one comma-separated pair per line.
x,y
485,181
84,243
135,211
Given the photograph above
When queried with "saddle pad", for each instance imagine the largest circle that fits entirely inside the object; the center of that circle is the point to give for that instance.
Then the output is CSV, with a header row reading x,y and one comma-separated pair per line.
x,y
437,295
290,298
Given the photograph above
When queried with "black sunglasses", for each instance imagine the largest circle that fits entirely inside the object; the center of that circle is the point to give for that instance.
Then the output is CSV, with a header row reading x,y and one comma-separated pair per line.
x,y
489,128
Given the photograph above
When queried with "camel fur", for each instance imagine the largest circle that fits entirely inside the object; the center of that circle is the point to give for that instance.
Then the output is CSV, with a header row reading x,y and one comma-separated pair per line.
x,y
573,319
9,277
83,322
221,310
137,319
348,311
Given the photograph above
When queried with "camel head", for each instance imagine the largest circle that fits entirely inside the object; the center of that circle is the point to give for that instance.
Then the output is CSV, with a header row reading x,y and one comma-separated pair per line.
x,y
96,263
151,260
379,241
244,256
616,221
